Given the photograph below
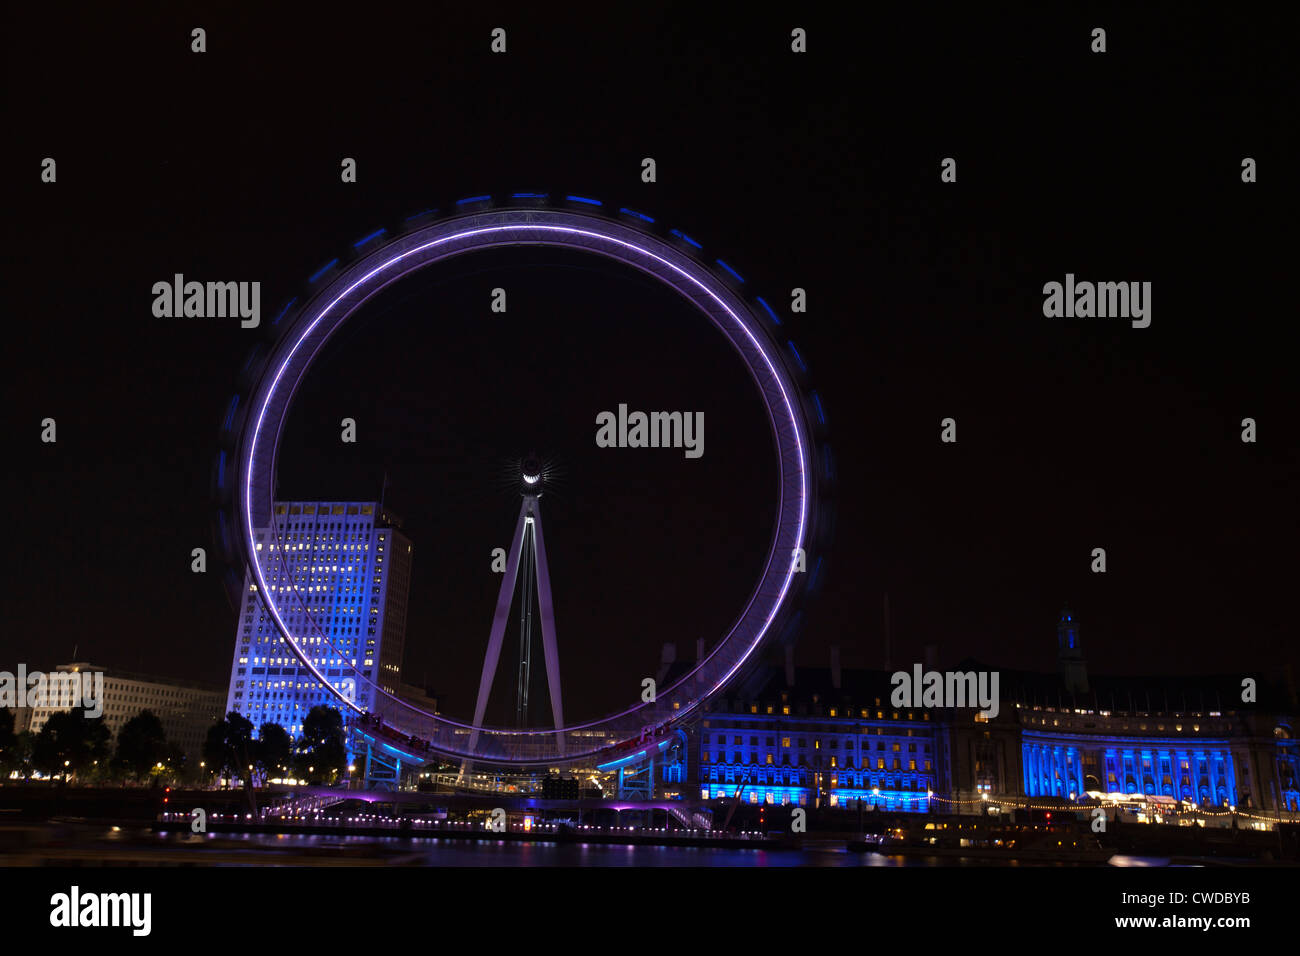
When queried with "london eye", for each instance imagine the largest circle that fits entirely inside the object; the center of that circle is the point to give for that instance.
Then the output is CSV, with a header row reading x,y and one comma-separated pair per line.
x,y
246,475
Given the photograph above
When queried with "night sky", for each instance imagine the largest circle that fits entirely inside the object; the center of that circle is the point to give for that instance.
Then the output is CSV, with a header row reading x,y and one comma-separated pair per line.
x,y
819,171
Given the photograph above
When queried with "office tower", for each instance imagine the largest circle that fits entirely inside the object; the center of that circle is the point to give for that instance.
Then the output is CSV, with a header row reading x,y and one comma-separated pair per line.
x,y
351,568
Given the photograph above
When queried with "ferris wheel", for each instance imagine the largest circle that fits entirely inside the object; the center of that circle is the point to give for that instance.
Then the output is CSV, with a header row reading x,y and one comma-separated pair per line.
x,y
245,472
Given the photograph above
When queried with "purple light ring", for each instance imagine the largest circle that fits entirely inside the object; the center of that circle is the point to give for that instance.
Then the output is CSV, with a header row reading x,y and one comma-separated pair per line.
x,y
538,733
513,239
529,732
589,240
352,299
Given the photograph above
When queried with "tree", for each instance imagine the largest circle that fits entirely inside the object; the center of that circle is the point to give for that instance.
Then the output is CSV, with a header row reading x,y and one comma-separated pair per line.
x,y
141,745
228,750
215,758
322,754
70,743
273,750
8,743
174,762
26,741
16,754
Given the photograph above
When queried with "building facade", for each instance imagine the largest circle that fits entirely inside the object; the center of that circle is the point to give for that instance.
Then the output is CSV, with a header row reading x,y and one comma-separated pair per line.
x,y
185,709
817,738
1204,740
339,575
827,737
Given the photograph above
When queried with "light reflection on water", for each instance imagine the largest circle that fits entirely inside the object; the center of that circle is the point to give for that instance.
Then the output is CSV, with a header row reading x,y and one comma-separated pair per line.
x,y
432,851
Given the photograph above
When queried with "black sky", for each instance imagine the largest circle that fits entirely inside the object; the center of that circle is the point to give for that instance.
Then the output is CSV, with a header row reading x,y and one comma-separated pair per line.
x,y
819,171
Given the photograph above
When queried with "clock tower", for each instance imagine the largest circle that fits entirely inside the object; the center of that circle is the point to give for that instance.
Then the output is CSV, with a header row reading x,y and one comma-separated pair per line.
x,y
1069,653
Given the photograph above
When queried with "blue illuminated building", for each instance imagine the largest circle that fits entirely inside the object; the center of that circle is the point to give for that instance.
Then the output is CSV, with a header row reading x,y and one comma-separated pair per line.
x,y
831,738
351,566
823,755
1072,737
815,738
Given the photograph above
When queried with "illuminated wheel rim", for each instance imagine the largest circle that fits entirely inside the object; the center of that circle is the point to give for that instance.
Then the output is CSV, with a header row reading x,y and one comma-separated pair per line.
x,y
306,333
